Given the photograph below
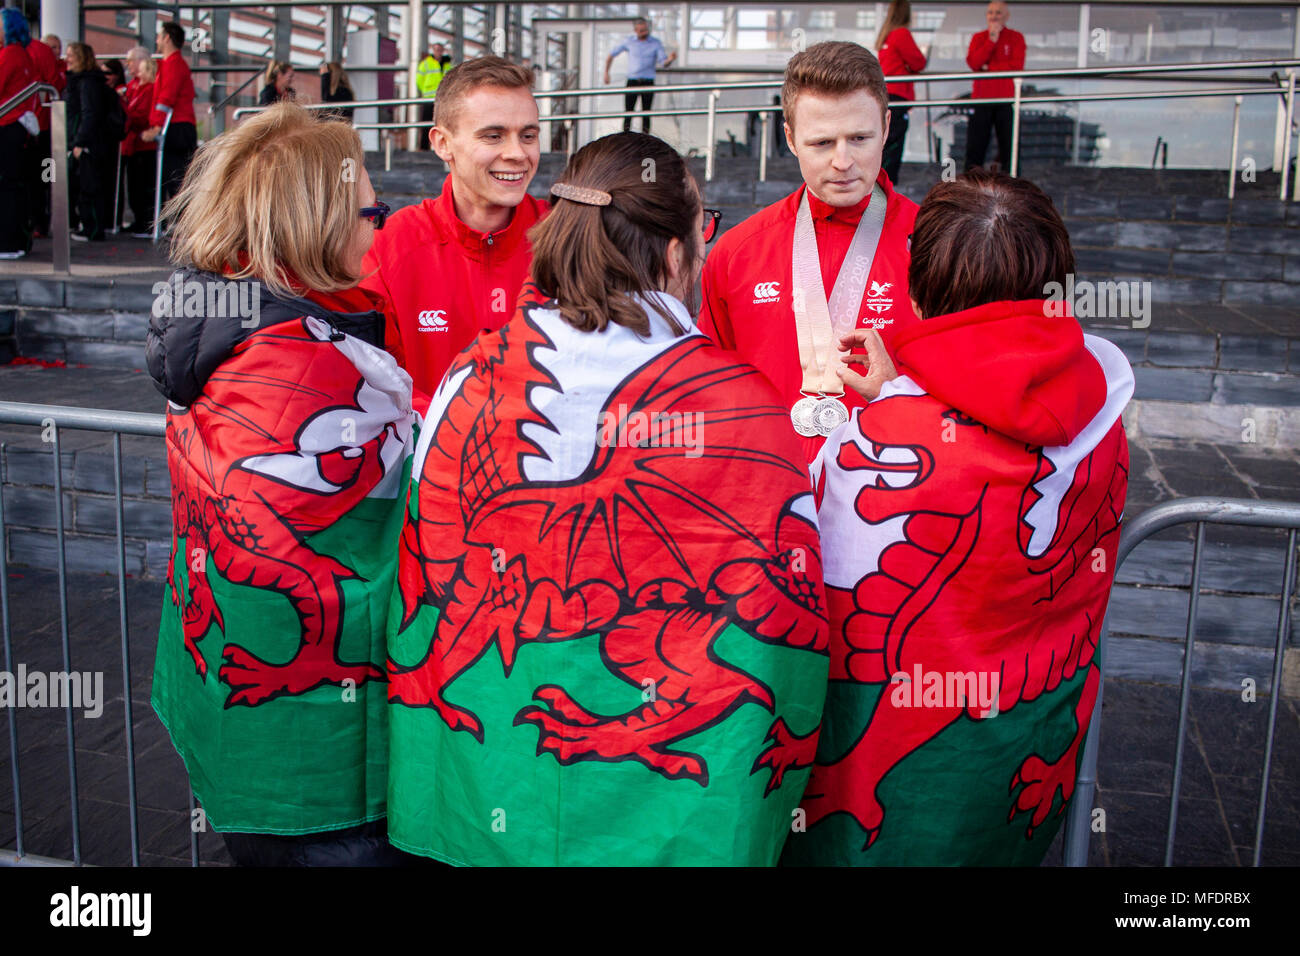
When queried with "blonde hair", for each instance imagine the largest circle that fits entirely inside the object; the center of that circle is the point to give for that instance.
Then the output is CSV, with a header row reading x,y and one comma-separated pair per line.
x,y
274,70
149,68
83,54
276,193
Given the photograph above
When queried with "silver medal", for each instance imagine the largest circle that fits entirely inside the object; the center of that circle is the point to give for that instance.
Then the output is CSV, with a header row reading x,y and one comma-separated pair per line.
x,y
802,414
829,415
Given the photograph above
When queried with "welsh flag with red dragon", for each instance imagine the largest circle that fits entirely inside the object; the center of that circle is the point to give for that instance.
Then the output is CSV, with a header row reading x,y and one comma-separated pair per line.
x,y
288,479
608,640
970,517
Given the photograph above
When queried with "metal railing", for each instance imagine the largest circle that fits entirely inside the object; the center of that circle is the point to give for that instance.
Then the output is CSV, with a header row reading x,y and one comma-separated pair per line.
x,y
1203,511
1018,102
54,418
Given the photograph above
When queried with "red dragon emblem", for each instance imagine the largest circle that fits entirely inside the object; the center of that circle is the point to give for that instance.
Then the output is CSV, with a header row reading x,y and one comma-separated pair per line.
x,y
247,504
656,551
1005,563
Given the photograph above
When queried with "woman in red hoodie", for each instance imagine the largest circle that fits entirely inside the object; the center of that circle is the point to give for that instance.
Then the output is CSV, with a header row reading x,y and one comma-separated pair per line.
x,y
969,520
899,56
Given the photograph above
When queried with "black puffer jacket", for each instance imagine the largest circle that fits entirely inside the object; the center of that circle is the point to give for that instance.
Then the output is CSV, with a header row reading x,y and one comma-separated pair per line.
x,y
183,350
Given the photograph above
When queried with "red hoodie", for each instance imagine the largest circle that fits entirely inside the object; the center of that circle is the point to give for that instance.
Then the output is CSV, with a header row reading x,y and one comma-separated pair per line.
x,y
1007,54
446,282
747,279
969,522
898,57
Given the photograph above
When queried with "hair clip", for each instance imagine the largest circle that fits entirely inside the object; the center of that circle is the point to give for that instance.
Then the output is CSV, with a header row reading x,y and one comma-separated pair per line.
x,y
591,197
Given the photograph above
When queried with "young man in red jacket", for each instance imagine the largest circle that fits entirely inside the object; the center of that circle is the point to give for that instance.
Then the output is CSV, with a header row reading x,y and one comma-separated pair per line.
x,y
453,266
995,50
785,284
173,88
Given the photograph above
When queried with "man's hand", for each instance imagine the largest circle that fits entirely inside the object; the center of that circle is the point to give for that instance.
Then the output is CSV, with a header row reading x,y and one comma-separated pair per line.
x,y
324,68
880,367
151,134
607,77
671,56
76,152
995,31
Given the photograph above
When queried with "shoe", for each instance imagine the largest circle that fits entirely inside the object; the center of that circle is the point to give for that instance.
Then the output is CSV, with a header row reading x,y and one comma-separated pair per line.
x,y
80,237
143,235
16,254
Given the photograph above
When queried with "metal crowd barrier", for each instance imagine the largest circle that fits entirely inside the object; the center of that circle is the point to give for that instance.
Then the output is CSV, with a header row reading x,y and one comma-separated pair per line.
x,y
1203,511
55,418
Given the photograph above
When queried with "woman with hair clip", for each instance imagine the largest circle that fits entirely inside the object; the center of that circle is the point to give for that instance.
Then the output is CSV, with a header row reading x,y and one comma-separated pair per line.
x,y
608,642
278,83
899,56
287,439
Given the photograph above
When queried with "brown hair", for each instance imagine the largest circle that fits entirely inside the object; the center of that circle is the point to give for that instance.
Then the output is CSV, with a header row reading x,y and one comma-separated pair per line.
x,y
899,15
464,79
82,55
274,192
833,68
985,238
338,77
274,70
592,258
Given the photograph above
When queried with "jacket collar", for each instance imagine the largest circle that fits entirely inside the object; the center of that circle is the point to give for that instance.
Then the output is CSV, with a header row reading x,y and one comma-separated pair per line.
x,y
850,215
451,229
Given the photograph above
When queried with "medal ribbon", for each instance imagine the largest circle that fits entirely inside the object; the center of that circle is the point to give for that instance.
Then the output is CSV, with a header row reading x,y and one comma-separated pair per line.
x,y
818,324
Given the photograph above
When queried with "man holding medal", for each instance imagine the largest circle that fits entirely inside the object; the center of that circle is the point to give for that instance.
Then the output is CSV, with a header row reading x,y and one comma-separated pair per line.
x,y
797,285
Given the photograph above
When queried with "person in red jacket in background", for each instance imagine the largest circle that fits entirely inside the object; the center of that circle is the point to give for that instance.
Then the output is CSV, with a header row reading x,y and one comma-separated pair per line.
x,y
48,70
453,266
997,49
16,72
141,158
899,56
857,227
174,88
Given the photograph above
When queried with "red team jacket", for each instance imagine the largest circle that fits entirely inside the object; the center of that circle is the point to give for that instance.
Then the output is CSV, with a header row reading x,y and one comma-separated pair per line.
x,y
1007,54
899,56
446,282
46,65
173,87
747,281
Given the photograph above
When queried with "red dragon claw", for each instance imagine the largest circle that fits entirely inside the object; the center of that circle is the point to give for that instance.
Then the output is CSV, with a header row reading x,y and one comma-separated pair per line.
x,y
788,751
411,689
254,681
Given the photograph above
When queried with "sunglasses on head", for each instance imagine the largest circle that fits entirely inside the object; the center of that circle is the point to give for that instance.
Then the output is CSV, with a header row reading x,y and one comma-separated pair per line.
x,y
377,213
711,219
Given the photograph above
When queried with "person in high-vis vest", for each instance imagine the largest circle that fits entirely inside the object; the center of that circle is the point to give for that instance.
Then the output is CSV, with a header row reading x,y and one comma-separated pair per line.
x,y
428,75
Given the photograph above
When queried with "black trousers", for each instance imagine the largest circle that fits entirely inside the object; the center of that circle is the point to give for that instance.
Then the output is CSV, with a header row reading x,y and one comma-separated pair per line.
x,y
95,169
141,173
178,150
14,160
982,122
39,177
636,90
892,158
364,845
